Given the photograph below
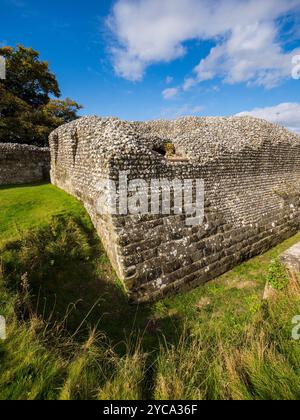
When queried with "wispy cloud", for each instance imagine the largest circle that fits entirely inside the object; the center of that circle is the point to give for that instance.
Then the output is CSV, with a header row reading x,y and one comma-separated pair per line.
x,y
246,33
285,114
169,80
170,93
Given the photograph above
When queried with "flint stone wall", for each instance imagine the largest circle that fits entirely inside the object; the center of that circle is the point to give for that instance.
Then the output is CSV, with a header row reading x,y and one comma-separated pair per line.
x,y
22,164
251,170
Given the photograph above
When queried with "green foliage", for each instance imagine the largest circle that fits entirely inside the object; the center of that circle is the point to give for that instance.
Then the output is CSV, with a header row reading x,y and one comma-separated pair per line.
x,y
277,276
28,113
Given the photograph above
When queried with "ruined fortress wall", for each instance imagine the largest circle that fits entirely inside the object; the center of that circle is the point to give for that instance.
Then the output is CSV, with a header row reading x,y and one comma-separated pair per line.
x,y
252,186
21,164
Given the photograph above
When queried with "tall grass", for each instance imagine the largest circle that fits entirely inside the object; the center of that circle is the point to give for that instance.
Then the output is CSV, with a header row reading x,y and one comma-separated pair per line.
x,y
218,359
263,363
40,361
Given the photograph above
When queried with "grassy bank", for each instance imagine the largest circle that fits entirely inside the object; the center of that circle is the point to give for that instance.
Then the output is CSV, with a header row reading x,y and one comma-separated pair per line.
x,y
30,206
72,334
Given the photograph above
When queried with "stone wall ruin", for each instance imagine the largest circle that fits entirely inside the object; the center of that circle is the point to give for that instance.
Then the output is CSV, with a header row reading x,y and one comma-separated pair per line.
x,y
251,171
23,164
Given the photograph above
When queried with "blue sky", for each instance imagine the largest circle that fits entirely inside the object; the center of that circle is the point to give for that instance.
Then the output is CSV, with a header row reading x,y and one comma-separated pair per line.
x,y
148,59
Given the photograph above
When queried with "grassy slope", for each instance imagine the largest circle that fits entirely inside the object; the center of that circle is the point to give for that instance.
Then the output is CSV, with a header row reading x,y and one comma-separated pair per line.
x,y
211,324
25,207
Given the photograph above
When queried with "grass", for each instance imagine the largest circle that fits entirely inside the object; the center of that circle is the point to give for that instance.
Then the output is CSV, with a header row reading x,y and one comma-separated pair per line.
x,y
78,337
30,206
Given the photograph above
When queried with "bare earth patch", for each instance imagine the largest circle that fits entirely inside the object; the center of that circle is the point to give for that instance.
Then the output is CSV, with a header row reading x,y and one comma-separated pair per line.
x,y
241,285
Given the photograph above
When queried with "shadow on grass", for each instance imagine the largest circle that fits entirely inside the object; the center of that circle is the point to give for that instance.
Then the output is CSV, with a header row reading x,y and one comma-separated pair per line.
x,y
71,280
89,299
29,185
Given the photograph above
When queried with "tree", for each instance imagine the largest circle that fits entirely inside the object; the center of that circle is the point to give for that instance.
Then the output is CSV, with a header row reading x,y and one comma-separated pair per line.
x,y
29,104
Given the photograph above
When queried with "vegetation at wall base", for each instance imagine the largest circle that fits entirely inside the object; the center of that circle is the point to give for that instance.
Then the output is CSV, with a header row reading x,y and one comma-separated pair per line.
x,y
73,334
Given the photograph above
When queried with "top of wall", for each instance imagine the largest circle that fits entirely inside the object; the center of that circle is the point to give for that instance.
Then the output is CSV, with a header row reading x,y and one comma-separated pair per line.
x,y
196,139
11,150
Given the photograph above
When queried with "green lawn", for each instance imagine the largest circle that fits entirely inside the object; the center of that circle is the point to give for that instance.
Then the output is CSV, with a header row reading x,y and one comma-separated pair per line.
x,y
219,341
25,207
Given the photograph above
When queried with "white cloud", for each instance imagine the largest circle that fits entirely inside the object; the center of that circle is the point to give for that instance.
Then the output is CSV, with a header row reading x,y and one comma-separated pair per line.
x,y
285,114
170,93
189,83
129,67
245,31
250,54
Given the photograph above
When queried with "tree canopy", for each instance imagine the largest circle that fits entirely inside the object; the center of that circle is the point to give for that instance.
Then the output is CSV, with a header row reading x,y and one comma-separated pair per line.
x,y
30,107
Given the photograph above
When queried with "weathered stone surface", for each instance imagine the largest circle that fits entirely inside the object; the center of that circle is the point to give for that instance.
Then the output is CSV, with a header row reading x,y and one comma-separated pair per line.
x,y
291,258
21,164
270,293
251,170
